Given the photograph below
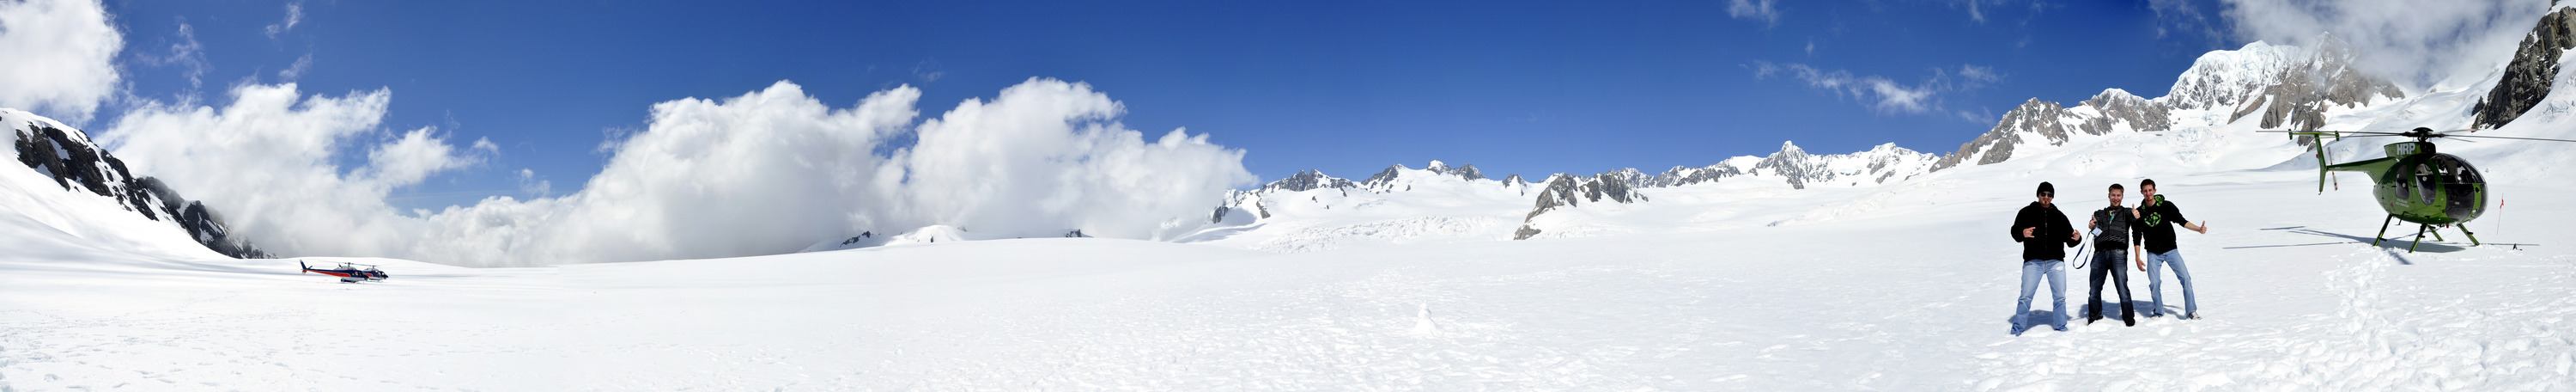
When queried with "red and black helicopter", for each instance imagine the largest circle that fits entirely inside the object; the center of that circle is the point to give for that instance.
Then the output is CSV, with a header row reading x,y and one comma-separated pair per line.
x,y
348,272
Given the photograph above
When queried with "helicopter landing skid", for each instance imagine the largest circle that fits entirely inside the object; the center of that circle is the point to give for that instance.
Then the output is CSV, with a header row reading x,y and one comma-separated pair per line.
x,y
2383,230
2420,231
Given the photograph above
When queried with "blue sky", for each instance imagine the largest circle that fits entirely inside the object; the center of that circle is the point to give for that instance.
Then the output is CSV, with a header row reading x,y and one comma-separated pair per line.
x,y
1345,87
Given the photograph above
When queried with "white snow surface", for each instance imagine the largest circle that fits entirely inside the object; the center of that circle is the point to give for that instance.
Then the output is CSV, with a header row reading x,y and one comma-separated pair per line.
x,y
1735,285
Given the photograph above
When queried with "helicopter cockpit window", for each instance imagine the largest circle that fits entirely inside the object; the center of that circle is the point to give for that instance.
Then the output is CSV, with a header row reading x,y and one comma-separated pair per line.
x,y
2424,176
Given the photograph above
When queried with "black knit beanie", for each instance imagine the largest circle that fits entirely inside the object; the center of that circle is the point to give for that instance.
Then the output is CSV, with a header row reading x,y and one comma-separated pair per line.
x,y
2044,187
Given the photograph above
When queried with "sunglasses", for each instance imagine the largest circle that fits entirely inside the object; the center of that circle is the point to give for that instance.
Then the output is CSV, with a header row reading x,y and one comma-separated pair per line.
x,y
2048,194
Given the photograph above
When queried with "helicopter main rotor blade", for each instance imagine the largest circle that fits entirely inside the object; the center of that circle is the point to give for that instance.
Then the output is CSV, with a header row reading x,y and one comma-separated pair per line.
x,y
2516,138
2340,133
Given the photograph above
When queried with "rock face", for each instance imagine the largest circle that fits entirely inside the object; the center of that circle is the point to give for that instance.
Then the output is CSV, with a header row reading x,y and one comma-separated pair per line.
x,y
2304,91
2526,80
2033,121
1800,169
1564,190
2119,108
79,165
1792,165
1392,179
1306,180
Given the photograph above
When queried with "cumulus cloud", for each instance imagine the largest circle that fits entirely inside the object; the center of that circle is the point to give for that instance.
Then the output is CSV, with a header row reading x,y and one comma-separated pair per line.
x,y
1047,155
766,172
61,57
1880,93
1754,10
2416,43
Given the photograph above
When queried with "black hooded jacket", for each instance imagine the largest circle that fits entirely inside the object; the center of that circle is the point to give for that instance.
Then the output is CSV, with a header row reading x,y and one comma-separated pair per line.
x,y
2158,227
2053,236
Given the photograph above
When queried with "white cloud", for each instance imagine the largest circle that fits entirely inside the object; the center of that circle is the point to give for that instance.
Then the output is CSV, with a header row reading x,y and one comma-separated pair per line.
x,y
1978,75
264,161
292,72
1761,10
294,15
766,172
60,57
186,53
1047,156
533,187
2416,43
1880,93
417,154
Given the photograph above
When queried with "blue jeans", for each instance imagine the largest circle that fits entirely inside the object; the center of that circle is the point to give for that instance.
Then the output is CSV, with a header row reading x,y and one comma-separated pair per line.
x,y
2031,271
2115,265
2155,282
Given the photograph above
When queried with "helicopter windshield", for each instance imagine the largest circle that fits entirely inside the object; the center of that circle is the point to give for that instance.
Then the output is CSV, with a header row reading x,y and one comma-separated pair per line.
x,y
2462,186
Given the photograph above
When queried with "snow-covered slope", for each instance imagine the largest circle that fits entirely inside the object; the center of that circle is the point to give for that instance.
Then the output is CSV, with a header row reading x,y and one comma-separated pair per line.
x,y
71,185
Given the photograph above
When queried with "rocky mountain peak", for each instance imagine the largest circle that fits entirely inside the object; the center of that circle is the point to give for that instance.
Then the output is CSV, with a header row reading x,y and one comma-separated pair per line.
x,y
2222,79
1564,190
2302,93
1306,180
69,157
2042,119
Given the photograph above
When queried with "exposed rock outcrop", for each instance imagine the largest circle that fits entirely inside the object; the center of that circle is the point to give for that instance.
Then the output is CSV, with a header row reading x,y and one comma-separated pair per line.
x,y
1393,178
1307,180
2535,65
1564,190
2304,91
79,165
2034,118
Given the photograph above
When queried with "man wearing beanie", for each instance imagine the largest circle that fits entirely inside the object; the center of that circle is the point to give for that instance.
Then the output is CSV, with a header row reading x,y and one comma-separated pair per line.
x,y
2044,234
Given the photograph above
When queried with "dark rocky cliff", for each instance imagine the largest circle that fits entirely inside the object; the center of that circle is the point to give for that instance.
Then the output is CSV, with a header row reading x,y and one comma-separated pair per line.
x,y
80,166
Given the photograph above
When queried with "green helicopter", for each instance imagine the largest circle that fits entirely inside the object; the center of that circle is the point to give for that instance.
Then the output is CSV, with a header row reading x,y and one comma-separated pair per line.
x,y
2416,183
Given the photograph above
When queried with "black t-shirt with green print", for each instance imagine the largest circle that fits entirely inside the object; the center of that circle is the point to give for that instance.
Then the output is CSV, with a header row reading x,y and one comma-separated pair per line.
x,y
2157,220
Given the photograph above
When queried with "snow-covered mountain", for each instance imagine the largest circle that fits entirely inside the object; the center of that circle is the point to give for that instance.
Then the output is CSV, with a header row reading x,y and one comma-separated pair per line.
x,y
71,160
2283,86
2204,123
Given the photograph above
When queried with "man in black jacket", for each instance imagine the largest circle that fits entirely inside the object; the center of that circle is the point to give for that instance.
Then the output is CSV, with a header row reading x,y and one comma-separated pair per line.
x,y
2044,234
2109,246
2156,221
